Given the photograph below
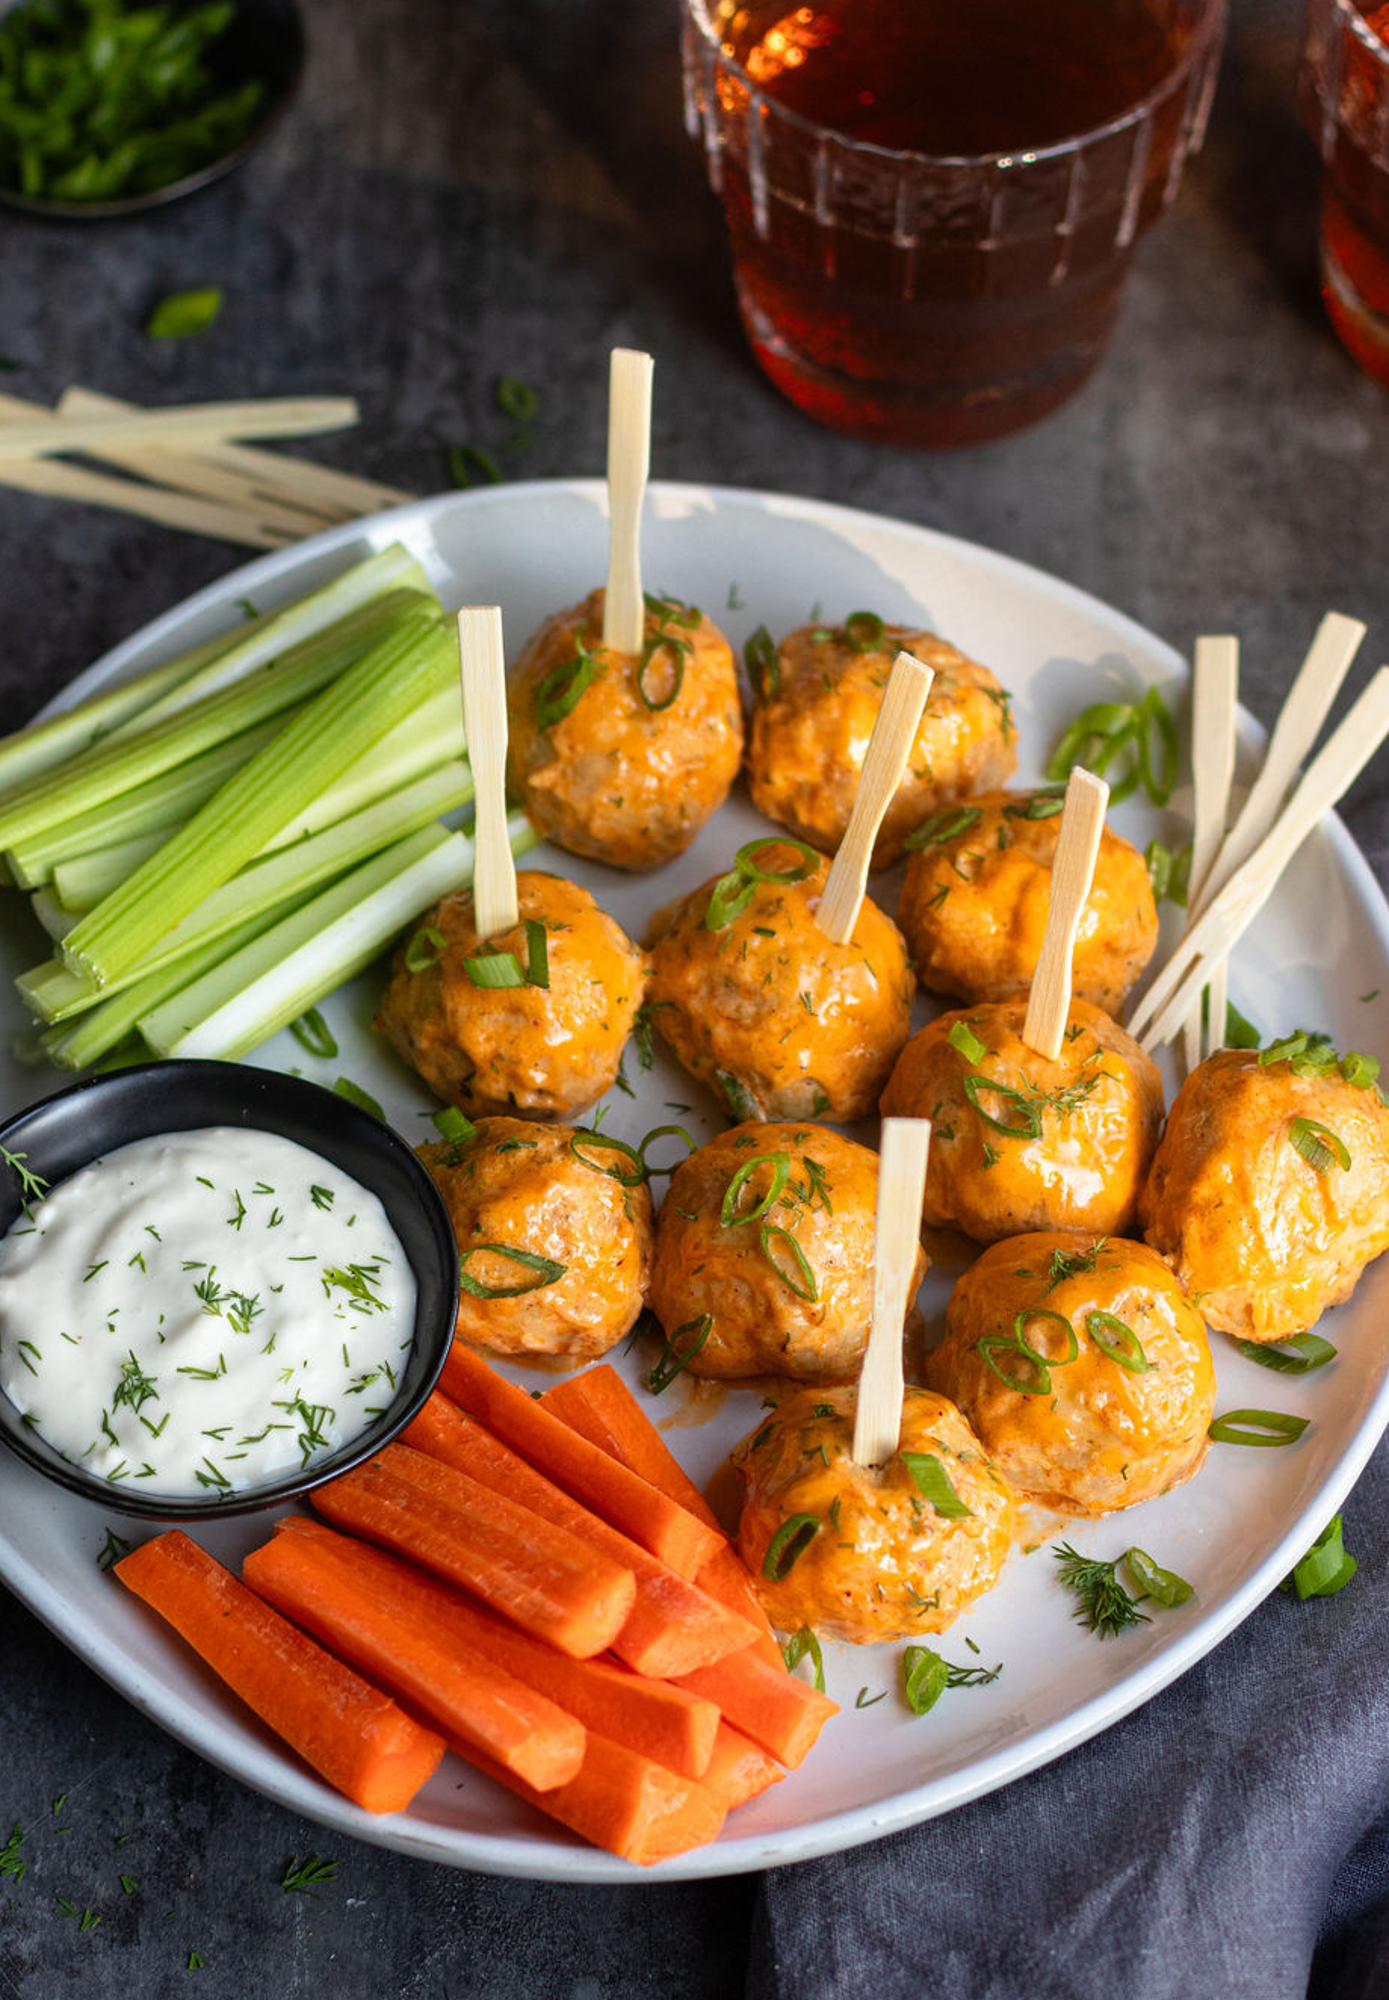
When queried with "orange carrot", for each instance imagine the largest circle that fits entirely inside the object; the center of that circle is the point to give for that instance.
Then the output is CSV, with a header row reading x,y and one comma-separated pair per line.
x,y
624,1802
673,1626
374,1617
652,1519
352,1734
778,1711
542,1578
739,1768
665,1723
599,1406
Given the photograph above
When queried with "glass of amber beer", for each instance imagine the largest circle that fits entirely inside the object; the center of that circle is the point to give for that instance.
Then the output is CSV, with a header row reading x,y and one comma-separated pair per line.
x,y
932,206
1345,98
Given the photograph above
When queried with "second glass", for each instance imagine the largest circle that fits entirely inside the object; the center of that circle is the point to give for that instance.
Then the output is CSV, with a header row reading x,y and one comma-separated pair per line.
x,y
931,208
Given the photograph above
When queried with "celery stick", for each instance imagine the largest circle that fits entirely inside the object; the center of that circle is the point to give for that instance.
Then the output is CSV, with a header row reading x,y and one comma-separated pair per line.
x,y
424,740
159,804
263,889
246,999
80,884
114,766
419,655
268,634
55,919
82,1042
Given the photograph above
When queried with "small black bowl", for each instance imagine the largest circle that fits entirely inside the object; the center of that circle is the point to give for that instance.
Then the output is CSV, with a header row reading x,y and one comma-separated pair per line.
x,y
78,1125
264,41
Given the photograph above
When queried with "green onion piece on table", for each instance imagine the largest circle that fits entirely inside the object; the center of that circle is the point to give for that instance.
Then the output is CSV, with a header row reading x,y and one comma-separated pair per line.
x,y
1326,1568
804,1645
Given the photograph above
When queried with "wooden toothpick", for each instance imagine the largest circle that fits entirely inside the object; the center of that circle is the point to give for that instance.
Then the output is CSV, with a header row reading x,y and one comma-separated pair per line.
x,y
484,723
1214,691
889,747
1072,872
906,1143
629,457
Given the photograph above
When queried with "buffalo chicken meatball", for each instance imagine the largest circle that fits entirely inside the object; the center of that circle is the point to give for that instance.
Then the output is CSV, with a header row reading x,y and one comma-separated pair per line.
x,y
1018,1143
554,1237
977,892
766,1234
533,1020
1270,1191
756,1002
816,701
1082,1367
866,1553
624,756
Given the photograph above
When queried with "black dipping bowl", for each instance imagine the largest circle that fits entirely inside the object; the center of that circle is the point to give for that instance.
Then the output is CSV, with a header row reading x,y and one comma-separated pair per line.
x,y
77,1126
264,41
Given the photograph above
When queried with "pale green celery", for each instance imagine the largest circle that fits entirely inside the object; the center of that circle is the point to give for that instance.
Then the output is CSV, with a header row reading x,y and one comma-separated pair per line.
x,y
31,751
426,739
268,634
114,766
263,889
80,1043
419,655
55,919
80,884
246,999
159,804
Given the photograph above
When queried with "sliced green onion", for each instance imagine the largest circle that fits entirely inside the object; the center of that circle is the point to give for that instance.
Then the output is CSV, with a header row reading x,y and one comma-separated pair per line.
x,y
547,1271
1041,805
601,1142
1046,1360
1104,729
425,948
1297,1356
804,1645
516,398
1359,1070
1164,1586
679,648
1114,1337
864,631
312,1032
730,1216
561,689
744,860
789,1544
925,1677
990,1344
947,824
1319,1145
664,1132
363,1099
763,664
963,1038
1028,1107
184,313
537,954
932,1481
1257,1427
451,1124
728,899
1239,1033
1326,1568
1157,727
675,1357
808,1288
737,1096
1169,871
494,970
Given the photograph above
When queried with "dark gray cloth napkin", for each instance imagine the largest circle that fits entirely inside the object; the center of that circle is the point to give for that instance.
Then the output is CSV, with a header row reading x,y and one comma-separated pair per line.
x,y
1230,1840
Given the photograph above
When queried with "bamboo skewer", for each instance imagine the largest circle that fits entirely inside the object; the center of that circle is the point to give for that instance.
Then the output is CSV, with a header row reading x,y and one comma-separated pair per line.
x,y
483,667
1224,922
896,1240
629,459
889,747
185,424
1215,687
1072,872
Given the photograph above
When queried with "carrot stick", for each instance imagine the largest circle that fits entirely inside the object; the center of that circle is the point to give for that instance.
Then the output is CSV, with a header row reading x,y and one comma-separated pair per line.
x,y
673,1626
599,1406
624,1802
540,1577
664,1723
660,1525
374,1616
739,1768
774,1708
352,1734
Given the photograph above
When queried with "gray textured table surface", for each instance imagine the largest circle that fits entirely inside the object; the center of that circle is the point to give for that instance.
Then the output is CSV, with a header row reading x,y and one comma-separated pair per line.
x,y
472,187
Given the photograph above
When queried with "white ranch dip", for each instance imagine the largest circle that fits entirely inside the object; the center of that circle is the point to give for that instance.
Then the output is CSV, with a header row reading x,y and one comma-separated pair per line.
x,y
203,1311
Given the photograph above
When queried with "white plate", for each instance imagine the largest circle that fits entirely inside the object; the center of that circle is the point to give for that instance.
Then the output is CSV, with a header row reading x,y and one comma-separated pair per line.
x,y
1234,1532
